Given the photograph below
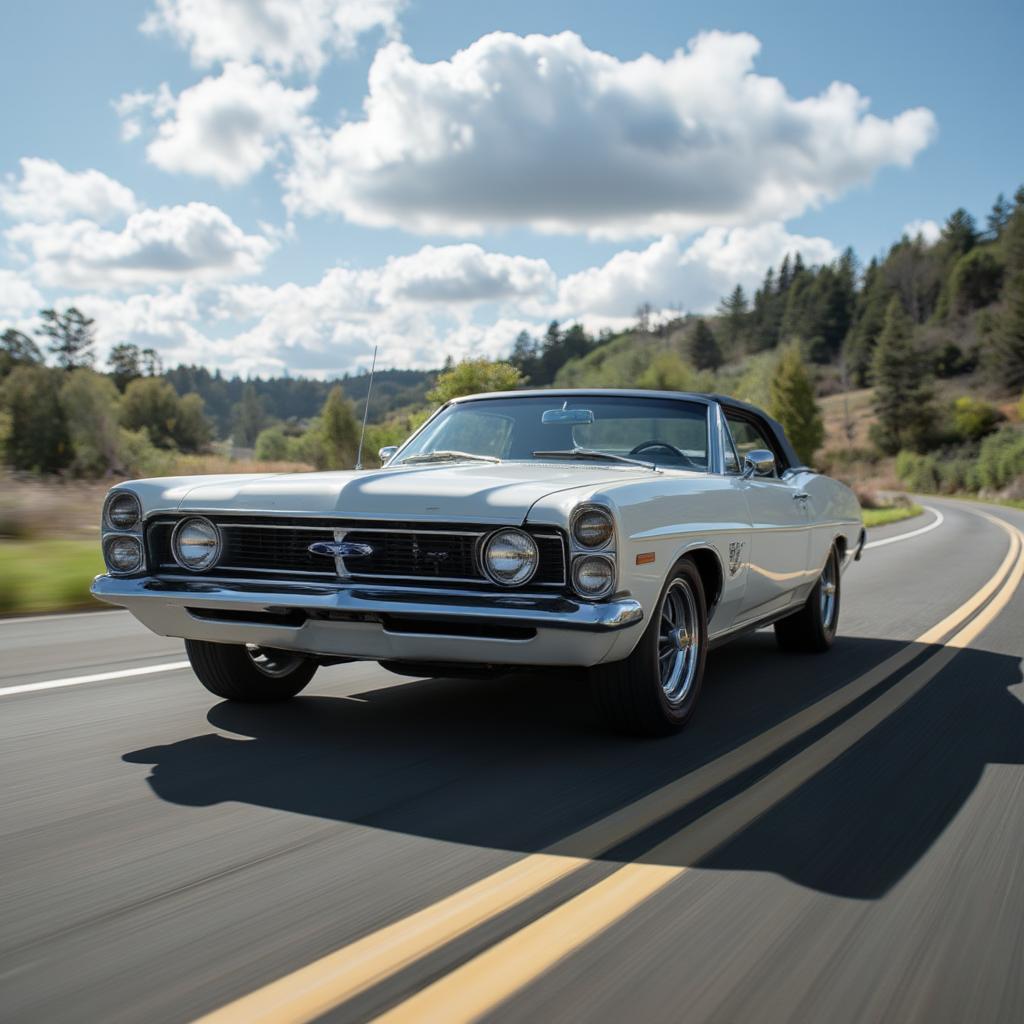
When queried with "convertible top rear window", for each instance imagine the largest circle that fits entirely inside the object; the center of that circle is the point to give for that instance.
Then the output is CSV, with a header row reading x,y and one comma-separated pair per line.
x,y
664,431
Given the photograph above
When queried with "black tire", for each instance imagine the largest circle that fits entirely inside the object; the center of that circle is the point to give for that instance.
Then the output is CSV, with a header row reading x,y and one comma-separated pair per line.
x,y
813,628
629,695
233,672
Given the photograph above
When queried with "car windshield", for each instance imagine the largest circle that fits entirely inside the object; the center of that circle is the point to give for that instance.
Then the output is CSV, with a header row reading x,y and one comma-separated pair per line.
x,y
608,429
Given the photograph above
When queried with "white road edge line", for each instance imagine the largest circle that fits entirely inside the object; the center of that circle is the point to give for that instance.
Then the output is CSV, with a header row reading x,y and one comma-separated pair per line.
x,y
939,519
99,677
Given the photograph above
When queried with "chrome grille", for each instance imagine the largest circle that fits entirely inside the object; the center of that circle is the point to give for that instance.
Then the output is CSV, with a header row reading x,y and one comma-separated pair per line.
x,y
262,548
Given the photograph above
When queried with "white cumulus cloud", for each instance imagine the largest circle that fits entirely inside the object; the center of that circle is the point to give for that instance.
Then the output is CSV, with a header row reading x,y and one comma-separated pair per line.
x,y
463,273
287,35
46,191
928,230
226,127
193,242
542,131
18,297
693,277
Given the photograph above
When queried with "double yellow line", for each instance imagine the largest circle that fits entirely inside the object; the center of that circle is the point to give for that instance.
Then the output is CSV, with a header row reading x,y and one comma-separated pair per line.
x,y
484,982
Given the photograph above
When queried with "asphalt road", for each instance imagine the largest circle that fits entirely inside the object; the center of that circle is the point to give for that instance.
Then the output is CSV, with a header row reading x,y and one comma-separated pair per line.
x,y
834,838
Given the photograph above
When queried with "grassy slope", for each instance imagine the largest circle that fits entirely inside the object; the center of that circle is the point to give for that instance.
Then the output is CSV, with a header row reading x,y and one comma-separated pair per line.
x,y
44,576
884,516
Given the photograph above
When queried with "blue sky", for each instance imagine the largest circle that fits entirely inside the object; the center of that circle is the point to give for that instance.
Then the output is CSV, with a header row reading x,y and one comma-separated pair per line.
x,y
287,259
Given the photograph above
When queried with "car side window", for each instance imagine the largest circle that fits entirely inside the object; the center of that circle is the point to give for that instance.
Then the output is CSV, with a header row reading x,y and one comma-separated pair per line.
x,y
747,437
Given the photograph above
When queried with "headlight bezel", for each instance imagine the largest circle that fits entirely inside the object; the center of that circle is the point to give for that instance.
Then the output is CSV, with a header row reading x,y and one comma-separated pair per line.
x,y
135,525
582,511
485,565
115,538
216,550
596,595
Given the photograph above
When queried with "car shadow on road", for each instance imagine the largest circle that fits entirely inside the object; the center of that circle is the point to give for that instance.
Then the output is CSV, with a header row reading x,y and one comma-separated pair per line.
x,y
519,762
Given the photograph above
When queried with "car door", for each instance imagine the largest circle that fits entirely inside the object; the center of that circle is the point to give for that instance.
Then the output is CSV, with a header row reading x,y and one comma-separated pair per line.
x,y
780,533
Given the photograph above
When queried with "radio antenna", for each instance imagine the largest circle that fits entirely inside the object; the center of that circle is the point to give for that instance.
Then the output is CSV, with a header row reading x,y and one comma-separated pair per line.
x,y
366,410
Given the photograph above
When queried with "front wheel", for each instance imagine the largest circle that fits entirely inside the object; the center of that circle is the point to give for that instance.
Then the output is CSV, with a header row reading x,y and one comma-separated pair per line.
x,y
813,628
653,692
243,672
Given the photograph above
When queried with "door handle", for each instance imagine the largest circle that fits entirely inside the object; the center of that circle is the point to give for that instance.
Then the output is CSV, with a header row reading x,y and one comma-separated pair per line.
x,y
801,496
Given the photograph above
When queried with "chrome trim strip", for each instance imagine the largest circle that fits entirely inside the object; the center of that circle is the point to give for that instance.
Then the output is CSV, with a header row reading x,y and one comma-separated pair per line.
x,y
547,611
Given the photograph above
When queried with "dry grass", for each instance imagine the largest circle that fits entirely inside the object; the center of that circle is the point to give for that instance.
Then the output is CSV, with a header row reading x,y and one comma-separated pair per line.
x,y
45,508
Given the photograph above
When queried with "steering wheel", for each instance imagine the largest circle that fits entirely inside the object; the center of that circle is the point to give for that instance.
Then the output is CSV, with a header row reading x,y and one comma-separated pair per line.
x,y
647,445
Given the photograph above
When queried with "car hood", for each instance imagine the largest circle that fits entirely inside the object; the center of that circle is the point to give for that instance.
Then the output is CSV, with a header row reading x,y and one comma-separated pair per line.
x,y
475,492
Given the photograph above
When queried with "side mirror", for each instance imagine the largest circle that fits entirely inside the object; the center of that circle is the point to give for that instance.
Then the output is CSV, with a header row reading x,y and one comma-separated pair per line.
x,y
387,453
759,462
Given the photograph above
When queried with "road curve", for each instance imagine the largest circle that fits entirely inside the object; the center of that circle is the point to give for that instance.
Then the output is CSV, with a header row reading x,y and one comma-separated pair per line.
x,y
835,837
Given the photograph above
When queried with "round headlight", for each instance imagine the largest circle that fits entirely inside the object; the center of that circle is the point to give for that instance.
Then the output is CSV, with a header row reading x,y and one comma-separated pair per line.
x,y
123,554
593,575
510,557
592,528
195,544
123,511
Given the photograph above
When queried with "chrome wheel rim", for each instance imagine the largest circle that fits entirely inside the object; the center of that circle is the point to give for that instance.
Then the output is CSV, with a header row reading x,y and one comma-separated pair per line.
x,y
272,662
678,642
827,587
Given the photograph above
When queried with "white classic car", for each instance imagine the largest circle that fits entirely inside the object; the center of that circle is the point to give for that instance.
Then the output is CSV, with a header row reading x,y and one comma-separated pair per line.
x,y
619,532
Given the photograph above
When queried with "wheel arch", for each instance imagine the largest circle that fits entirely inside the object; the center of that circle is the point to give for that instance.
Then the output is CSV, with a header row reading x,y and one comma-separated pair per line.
x,y
709,568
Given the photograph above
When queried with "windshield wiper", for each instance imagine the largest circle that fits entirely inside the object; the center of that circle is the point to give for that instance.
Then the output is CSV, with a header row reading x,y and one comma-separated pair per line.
x,y
591,453
447,456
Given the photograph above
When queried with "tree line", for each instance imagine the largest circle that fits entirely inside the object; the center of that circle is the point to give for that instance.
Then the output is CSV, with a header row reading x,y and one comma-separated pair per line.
x,y
924,313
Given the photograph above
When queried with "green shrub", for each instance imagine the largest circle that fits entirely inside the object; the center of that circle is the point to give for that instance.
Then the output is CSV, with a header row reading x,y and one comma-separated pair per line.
x,y
1001,459
973,419
141,458
918,472
272,444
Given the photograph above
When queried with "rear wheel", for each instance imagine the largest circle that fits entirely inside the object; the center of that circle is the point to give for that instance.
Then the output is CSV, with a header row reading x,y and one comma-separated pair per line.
x,y
813,628
244,672
653,692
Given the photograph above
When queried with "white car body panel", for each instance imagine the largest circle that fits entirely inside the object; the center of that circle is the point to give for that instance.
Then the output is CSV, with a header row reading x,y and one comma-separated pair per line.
x,y
761,545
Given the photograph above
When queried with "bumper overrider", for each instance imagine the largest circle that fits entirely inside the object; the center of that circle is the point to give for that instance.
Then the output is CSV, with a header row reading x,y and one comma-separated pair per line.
x,y
372,622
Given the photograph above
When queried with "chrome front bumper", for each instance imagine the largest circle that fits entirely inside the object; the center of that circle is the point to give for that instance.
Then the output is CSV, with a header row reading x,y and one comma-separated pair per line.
x,y
376,622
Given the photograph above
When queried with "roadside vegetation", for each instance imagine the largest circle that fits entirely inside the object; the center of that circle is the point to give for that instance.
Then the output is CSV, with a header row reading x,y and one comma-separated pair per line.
x,y
904,374
46,576
889,514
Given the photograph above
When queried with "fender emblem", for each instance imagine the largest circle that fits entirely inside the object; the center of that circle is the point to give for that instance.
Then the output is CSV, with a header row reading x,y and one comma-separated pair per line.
x,y
340,549
735,555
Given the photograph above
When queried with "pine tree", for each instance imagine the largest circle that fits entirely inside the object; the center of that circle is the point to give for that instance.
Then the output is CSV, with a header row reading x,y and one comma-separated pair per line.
x,y
124,364
868,320
71,336
960,233
1012,242
903,393
793,404
1000,215
734,312
704,351
249,417
1008,339
785,275
17,349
